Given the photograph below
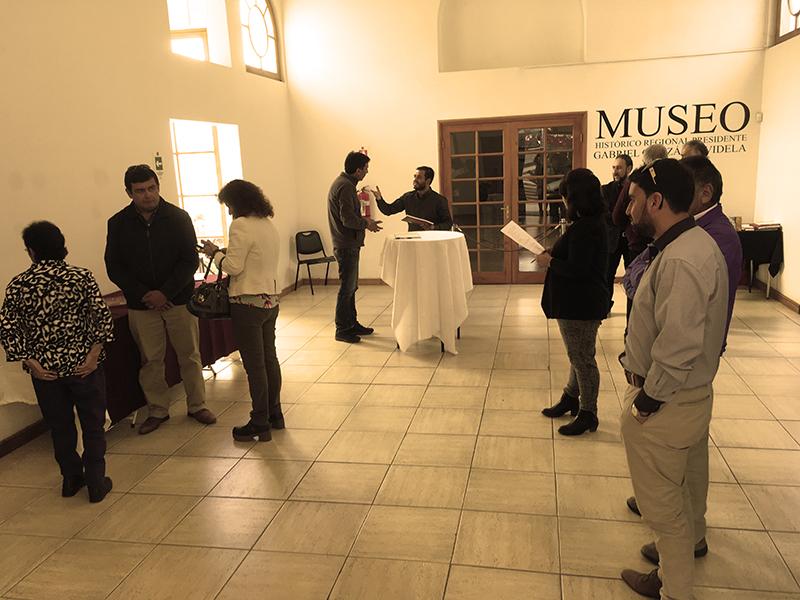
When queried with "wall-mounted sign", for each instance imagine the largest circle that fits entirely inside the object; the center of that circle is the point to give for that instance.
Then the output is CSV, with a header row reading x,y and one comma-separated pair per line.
x,y
630,130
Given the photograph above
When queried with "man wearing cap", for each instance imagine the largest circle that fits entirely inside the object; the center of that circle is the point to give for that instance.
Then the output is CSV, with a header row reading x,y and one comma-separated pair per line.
x,y
672,352
707,212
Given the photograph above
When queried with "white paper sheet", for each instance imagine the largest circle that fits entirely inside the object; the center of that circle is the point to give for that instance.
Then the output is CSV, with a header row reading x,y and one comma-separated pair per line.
x,y
522,237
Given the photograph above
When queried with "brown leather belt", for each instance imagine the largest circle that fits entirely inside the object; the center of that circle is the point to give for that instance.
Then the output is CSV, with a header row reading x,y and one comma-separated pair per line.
x,y
634,379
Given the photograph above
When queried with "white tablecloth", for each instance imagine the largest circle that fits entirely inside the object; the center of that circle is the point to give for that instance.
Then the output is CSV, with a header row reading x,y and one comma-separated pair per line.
x,y
15,384
430,276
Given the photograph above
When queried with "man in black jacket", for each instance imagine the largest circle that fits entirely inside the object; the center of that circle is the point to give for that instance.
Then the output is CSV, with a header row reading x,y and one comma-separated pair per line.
x,y
347,231
617,244
151,256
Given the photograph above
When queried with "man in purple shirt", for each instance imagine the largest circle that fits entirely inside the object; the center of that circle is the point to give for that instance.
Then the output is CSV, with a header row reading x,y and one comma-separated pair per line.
x,y
707,212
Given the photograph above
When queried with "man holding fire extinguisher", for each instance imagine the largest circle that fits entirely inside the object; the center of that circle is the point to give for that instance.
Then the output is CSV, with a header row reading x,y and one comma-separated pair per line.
x,y
347,232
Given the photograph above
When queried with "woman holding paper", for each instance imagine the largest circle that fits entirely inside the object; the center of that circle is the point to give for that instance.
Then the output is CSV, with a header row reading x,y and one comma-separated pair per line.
x,y
576,294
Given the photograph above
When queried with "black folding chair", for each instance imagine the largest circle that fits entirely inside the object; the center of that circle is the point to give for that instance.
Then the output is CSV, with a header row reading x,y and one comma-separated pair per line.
x,y
309,242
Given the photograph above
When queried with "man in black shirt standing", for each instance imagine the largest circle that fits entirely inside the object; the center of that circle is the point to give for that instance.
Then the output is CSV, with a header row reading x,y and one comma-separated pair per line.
x,y
617,244
422,202
151,256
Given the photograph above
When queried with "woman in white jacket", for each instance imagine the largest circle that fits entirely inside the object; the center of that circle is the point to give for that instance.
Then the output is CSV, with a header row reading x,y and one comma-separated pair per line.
x,y
251,260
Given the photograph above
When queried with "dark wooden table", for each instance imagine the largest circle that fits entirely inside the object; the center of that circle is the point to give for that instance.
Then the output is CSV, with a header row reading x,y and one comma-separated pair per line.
x,y
123,392
762,247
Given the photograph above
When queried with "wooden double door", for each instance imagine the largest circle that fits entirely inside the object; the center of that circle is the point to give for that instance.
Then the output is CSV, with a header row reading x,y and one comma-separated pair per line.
x,y
498,170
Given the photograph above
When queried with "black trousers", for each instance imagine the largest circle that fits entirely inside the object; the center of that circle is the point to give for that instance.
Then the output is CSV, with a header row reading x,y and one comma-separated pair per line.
x,y
58,399
254,331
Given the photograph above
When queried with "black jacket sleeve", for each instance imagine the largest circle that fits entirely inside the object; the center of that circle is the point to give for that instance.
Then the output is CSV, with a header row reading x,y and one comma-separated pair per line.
x,y
187,262
618,215
395,207
117,271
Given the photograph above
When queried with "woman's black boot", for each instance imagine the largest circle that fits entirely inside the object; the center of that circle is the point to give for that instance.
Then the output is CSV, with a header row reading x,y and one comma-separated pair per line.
x,y
252,433
585,421
567,404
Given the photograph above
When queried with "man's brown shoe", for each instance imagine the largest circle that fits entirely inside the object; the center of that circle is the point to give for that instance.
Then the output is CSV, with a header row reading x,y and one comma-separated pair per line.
x,y
204,416
650,552
151,424
646,584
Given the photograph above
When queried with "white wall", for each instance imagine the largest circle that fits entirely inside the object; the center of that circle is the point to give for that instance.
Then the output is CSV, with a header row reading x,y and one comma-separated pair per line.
x,y
777,198
523,32
88,89
378,85
527,33
616,29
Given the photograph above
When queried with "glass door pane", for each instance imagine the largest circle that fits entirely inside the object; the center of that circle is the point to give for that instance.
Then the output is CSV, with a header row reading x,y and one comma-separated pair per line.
x,y
463,192
546,235
477,195
491,201
544,155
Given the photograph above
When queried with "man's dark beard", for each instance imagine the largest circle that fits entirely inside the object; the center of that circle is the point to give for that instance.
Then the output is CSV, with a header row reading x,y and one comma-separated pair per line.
x,y
645,230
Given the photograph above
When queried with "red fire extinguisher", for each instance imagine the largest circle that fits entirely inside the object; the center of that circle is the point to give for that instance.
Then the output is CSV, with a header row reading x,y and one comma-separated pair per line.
x,y
364,200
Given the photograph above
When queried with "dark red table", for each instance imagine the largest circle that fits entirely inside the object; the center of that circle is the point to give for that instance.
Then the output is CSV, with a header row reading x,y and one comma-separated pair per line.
x,y
123,392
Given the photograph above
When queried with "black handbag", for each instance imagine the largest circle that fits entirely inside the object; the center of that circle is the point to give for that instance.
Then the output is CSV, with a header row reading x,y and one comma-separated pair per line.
x,y
210,299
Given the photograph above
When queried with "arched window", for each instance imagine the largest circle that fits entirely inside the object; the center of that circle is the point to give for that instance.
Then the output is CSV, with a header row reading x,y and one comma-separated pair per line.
x,y
788,19
259,38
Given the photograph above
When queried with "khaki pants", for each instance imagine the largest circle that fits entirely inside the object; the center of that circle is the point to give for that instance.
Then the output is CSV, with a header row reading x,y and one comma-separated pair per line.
x,y
149,329
668,462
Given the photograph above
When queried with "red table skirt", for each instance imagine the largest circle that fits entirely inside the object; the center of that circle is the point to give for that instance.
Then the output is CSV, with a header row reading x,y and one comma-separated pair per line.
x,y
123,392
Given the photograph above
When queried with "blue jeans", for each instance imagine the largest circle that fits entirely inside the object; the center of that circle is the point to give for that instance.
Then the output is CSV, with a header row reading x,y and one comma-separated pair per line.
x,y
348,284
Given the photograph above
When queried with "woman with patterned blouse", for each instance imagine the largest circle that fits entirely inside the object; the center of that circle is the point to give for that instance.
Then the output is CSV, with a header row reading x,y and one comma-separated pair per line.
x,y
251,260
55,321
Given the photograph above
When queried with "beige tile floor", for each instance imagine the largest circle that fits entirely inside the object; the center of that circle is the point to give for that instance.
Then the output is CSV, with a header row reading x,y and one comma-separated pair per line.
x,y
415,475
